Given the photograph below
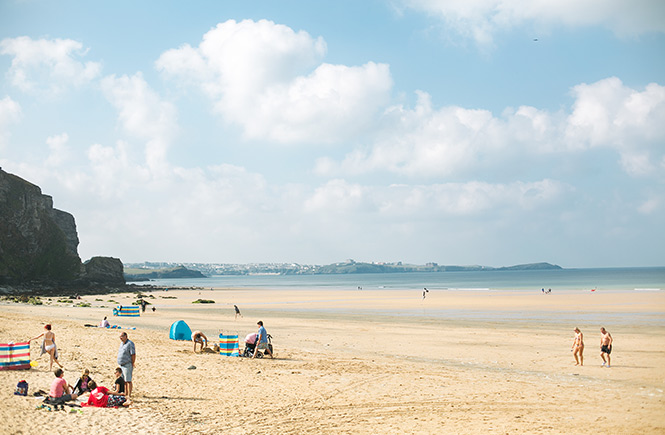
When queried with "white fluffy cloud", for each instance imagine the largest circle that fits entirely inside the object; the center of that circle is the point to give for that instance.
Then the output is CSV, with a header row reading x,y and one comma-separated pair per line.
x,y
609,114
481,19
143,114
10,112
47,65
451,141
268,79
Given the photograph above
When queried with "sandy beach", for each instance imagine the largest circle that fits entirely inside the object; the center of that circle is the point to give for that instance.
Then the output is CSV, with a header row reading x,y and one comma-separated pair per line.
x,y
357,362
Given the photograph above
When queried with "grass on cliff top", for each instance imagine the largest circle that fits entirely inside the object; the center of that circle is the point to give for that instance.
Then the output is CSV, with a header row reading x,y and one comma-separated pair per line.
x,y
141,271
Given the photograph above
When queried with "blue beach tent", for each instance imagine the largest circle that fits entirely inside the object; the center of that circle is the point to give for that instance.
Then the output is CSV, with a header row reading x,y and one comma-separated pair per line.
x,y
180,331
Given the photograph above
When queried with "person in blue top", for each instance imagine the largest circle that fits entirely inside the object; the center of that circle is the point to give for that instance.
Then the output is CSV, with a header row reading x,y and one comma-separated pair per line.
x,y
126,361
262,340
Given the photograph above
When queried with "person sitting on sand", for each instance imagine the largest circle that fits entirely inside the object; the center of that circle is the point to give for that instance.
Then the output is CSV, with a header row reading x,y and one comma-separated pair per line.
x,y
119,384
104,323
48,346
82,384
101,397
199,337
578,347
60,391
605,346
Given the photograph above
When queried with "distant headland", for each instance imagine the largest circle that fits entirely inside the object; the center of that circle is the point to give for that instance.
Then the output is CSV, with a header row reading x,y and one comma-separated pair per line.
x,y
153,270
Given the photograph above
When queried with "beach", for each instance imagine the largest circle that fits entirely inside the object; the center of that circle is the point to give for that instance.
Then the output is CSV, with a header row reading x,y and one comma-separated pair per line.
x,y
356,362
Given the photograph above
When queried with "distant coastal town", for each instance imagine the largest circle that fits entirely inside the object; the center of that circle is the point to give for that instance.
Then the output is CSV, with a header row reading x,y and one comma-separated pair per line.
x,y
152,270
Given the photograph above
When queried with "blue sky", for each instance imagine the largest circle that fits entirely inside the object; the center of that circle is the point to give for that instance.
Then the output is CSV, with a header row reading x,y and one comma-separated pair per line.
x,y
458,132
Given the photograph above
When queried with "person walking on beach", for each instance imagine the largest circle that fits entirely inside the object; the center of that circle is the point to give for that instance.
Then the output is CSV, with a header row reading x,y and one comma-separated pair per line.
x,y
126,361
578,347
262,340
605,346
48,345
235,307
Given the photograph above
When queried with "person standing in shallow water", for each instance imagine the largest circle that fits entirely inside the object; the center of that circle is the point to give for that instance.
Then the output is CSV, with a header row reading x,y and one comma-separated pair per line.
x,y
578,347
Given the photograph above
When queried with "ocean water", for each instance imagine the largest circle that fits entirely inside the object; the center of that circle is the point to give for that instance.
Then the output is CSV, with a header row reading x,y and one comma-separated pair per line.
x,y
605,279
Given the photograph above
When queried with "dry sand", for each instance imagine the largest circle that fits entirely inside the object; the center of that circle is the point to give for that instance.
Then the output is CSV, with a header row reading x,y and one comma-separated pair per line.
x,y
358,362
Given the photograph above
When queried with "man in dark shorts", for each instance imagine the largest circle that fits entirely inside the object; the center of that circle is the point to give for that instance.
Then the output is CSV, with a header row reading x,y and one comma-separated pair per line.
x,y
605,346
235,307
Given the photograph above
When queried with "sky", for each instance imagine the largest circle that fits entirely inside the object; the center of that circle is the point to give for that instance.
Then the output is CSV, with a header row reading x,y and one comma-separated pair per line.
x,y
491,132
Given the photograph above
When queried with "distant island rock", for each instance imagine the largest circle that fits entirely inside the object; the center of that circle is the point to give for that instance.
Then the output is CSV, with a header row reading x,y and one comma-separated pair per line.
x,y
134,274
38,246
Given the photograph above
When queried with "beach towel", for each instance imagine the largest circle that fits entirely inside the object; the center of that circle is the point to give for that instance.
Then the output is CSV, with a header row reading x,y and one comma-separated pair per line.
x,y
228,345
127,311
87,325
15,356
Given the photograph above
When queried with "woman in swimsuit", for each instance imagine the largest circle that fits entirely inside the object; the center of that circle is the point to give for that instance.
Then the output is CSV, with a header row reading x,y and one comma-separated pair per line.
x,y
578,347
48,345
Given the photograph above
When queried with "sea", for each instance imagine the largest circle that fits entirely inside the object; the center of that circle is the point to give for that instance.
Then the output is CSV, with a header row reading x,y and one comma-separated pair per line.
x,y
599,279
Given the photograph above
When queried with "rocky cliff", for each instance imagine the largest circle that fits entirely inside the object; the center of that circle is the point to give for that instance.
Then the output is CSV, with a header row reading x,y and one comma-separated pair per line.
x,y
39,244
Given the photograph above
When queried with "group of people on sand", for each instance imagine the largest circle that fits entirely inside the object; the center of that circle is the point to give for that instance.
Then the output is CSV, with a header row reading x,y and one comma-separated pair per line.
x,y
260,337
605,347
61,392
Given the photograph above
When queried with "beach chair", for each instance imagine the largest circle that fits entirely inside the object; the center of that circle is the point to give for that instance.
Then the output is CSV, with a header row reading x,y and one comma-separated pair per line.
x,y
15,356
228,345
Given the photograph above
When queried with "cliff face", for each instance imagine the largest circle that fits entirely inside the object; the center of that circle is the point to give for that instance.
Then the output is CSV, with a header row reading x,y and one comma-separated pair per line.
x,y
39,243
104,271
